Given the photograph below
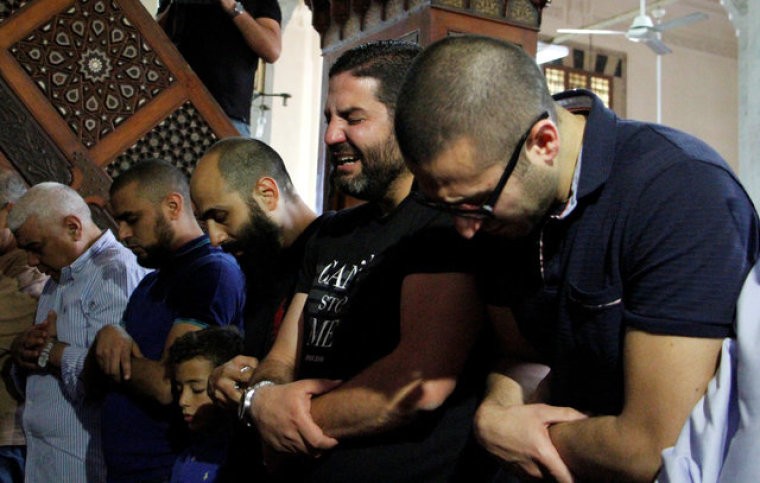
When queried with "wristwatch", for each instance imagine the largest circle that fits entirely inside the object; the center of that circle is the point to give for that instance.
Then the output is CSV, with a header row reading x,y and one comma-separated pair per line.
x,y
247,399
237,10
44,357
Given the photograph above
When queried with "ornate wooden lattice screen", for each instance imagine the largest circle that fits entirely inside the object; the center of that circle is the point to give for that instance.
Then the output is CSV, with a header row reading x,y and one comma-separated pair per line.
x,y
343,24
89,87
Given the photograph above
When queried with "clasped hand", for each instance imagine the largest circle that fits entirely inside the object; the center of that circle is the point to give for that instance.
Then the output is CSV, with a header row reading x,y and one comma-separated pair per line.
x,y
226,382
114,349
519,436
27,346
282,414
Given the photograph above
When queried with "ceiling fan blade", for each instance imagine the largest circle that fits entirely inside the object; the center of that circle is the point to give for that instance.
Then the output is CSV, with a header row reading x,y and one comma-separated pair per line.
x,y
681,21
657,46
590,31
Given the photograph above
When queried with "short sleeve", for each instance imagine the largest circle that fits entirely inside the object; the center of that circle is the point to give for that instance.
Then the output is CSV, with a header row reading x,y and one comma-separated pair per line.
x,y
214,294
688,251
264,8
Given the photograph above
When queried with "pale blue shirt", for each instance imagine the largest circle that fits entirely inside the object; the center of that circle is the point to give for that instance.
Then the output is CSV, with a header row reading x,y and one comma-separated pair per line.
x,y
62,426
721,439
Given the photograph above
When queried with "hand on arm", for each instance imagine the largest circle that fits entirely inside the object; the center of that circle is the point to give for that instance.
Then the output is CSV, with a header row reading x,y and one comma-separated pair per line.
x,y
113,350
505,424
441,316
664,377
518,433
281,412
26,347
226,382
149,377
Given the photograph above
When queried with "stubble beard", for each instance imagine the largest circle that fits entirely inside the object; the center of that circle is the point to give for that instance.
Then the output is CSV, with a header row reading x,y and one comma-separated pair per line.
x,y
381,165
158,253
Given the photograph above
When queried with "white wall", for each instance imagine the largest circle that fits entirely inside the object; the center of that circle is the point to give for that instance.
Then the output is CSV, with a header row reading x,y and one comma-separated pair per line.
x,y
699,92
699,89
295,127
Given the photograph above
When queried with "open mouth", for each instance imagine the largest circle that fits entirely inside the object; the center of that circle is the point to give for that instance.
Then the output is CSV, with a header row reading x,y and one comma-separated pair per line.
x,y
345,163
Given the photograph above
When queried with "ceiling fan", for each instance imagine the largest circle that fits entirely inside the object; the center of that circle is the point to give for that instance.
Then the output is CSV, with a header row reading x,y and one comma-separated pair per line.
x,y
643,30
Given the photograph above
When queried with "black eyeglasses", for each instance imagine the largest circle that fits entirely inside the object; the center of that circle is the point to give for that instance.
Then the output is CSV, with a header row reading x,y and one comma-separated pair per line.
x,y
485,210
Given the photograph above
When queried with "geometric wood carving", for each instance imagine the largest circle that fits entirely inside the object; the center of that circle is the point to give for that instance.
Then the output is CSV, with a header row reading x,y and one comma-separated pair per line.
x,y
181,139
26,144
8,7
93,66
89,87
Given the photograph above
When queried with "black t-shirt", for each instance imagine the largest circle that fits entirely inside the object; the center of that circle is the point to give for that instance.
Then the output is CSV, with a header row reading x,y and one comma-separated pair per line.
x,y
353,271
216,50
266,306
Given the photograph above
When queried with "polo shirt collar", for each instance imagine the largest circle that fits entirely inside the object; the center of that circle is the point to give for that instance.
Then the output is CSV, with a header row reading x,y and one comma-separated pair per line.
x,y
598,140
177,257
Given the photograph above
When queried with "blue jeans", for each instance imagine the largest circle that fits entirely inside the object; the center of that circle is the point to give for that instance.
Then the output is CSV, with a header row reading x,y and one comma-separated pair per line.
x,y
243,128
12,464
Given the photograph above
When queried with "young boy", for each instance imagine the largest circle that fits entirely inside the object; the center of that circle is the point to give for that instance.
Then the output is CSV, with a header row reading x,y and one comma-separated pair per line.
x,y
192,357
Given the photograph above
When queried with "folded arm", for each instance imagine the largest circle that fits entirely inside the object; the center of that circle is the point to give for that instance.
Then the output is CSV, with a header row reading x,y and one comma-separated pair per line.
x,y
441,316
664,377
150,377
512,422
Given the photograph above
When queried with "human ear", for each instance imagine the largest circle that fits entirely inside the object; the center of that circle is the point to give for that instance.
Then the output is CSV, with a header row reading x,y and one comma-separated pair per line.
x,y
173,205
543,141
73,227
267,192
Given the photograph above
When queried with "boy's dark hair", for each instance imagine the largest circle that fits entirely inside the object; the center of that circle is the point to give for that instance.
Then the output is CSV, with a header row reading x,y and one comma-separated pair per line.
x,y
217,344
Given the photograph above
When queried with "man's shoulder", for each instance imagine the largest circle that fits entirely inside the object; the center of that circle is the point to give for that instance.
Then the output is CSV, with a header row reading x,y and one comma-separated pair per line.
x,y
113,257
210,259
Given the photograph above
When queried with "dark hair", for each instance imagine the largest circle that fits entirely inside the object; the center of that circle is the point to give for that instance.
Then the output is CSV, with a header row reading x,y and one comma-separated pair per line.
x,y
474,87
217,344
155,179
384,60
243,161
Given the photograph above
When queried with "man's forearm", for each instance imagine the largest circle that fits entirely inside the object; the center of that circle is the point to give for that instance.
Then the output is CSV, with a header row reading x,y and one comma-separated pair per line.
x,y
379,399
150,378
260,36
606,448
272,370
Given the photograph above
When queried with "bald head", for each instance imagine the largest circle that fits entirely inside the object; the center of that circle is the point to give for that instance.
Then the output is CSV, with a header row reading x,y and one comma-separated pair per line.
x,y
241,162
473,87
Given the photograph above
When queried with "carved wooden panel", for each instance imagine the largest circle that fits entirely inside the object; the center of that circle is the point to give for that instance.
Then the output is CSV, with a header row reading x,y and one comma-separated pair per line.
x,y
182,137
93,66
89,87
9,7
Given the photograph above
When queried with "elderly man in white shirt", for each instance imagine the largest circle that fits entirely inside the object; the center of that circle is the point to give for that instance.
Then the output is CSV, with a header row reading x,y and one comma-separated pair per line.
x,y
91,278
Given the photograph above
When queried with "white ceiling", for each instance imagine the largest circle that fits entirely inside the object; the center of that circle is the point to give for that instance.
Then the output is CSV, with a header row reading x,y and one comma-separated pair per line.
x,y
716,35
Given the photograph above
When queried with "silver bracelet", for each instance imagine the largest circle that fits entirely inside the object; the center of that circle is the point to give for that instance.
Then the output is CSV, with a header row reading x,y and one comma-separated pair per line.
x,y
247,399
